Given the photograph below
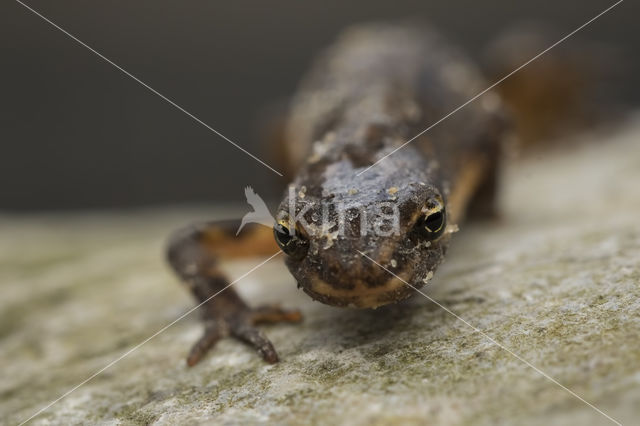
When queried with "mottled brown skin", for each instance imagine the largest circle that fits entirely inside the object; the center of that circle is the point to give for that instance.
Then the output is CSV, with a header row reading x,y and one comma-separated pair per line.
x,y
375,88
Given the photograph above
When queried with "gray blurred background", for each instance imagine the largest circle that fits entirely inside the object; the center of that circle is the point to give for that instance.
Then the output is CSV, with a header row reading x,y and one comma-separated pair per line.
x,y
78,134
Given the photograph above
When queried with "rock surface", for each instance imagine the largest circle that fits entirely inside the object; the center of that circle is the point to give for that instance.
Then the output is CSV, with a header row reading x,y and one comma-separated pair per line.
x,y
555,281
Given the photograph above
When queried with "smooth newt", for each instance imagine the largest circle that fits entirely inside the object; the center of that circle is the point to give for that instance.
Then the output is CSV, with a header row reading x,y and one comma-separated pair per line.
x,y
375,88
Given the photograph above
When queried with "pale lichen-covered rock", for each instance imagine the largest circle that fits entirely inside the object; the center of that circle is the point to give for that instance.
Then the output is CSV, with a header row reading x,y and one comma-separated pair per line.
x,y
556,281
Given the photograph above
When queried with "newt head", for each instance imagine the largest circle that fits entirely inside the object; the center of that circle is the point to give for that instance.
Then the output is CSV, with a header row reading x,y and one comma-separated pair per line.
x,y
395,214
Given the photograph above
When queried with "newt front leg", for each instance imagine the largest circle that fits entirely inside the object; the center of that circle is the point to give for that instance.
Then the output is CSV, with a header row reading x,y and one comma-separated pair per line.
x,y
194,253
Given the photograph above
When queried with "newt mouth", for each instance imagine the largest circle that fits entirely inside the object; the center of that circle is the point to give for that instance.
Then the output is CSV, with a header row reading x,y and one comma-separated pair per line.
x,y
361,295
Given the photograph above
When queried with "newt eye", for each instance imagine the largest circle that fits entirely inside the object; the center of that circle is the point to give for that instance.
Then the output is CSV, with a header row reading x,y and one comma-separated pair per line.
x,y
432,223
293,244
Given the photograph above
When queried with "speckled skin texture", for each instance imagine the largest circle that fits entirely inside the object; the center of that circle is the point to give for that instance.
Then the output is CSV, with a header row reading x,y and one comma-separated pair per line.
x,y
375,88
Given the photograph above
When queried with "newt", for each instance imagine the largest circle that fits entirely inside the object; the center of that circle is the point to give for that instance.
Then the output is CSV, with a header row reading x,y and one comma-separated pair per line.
x,y
376,87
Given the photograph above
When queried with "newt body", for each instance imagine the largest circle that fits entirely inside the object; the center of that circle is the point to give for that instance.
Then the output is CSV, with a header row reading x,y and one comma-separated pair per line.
x,y
374,89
